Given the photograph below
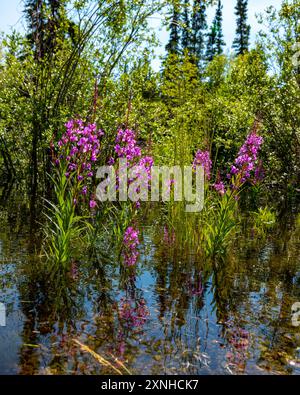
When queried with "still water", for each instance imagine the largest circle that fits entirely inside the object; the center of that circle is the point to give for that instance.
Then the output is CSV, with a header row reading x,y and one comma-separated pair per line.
x,y
176,314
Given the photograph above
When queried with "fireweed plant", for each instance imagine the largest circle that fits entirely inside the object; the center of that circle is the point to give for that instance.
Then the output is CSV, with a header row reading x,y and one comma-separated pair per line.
x,y
209,231
124,226
74,160
247,168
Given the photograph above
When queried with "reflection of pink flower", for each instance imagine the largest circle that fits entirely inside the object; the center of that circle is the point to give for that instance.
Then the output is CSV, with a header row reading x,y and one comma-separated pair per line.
x,y
131,242
169,237
195,286
133,313
74,270
239,340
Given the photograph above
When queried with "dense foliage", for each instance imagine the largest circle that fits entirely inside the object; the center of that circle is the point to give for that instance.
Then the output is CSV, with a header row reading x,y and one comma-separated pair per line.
x,y
93,60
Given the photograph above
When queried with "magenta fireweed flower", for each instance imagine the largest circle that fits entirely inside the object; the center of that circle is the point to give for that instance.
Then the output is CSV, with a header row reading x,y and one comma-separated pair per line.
x,y
146,162
93,204
246,162
78,149
259,172
202,158
220,187
127,147
130,242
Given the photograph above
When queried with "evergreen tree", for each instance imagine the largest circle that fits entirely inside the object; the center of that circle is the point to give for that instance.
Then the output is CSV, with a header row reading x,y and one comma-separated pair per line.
x,y
186,32
45,20
241,42
215,40
211,43
199,26
219,19
36,20
173,44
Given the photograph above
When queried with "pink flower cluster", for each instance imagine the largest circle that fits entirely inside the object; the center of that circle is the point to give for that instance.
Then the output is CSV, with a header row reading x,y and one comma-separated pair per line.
x,y
246,162
131,242
127,147
246,165
78,150
133,313
220,187
202,158
146,162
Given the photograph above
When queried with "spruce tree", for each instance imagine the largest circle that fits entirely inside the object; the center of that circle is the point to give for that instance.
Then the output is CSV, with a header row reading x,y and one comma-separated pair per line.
x,y
173,45
211,49
199,26
219,38
45,19
36,20
241,42
215,40
186,32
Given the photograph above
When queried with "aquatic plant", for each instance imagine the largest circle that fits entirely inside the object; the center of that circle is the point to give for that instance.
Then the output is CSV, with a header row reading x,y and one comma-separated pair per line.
x,y
264,219
219,223
64,225
77,152
221,219
74,159
123,213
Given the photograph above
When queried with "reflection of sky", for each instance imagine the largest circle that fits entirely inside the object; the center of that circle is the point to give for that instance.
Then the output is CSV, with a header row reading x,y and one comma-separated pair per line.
x,y
10,340
11,13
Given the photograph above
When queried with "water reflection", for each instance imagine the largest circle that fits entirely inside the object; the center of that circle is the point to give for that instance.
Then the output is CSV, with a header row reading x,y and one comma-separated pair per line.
x,y
176,313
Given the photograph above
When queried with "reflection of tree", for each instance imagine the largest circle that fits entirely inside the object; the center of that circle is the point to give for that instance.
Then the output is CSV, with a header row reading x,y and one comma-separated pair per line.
x,y
51,309
180,289
253,294
118,319
250,294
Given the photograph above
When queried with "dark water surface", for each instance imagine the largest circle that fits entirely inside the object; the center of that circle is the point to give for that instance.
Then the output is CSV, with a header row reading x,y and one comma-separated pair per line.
x,y
175,315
